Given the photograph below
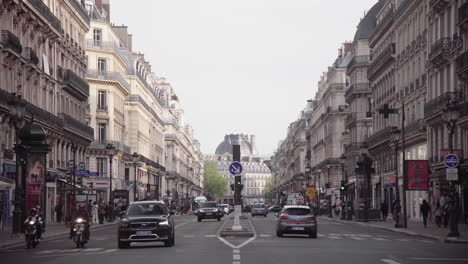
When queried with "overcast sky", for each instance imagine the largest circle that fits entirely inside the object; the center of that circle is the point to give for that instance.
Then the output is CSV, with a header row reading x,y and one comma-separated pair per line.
x,y
243,66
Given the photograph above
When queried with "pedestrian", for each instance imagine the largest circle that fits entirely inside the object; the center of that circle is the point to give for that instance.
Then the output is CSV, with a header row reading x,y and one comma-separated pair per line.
x,y
101,212
59,212
384,210
445,214
438,214
110,212
94,212
425,211
90,206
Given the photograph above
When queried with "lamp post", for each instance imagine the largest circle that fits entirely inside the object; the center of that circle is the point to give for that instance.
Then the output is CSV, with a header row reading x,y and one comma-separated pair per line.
x,y
451,115
74,149
397,205
343,191
111,151
18,107
135,159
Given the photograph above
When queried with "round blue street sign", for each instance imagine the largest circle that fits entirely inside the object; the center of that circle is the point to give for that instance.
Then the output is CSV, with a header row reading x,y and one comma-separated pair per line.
x,y
235,168
451,161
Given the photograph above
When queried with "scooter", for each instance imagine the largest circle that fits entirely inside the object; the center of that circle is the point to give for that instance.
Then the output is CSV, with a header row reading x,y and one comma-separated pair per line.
x,y
79,236
30,233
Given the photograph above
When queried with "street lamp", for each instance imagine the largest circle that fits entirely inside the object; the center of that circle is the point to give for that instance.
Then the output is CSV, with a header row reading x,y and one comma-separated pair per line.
x,y
111,151
396,139
135,159
342,189
451,115
18,107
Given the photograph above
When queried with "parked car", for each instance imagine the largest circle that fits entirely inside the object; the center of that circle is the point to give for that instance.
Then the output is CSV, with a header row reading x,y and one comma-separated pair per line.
x,y
209,210
247,209
274,208
224,208
259,209
146,221
296,219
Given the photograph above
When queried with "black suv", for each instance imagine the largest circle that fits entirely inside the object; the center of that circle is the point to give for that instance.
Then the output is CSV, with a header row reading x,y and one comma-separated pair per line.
x,y
209,210
146,221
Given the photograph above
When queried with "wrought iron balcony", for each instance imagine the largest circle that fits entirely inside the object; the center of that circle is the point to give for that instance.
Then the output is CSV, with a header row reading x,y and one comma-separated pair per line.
x,y
101,144
43,116
8,154
415,127
438,5
381,136
75,84
356,146
109,76
31,56
402,8
10,40
441,102
462,66
76,126
386,56
440,51
357,88
463,16
138,99
351,119
45,11
80,9
357,61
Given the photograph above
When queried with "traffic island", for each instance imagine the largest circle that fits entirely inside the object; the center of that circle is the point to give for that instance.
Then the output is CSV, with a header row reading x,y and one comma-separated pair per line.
x,y
245,230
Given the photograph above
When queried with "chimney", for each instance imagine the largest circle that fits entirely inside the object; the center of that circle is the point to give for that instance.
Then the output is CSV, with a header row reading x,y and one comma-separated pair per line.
x,y
106,8
253,147
340,52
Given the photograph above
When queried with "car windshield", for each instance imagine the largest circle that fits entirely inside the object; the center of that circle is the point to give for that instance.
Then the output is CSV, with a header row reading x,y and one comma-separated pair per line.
x,y
259,205
297,211
146,209
210,205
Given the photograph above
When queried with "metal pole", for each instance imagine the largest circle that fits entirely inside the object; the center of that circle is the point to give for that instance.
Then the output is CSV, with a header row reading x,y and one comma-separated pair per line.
x,y
453,209
135,182
110,179
405,217
397,190
74,174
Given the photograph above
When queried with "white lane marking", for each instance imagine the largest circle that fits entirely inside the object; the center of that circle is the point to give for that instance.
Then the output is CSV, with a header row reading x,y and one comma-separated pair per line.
x,y
92,249
47,251
210,236
360,235
236,251
356,238
110,250
236,257
440,259
264,235
334,237
188,236
402,239
320,235
390,261
425,241
380,239
184,223
246,242
226,242
236,262
334,234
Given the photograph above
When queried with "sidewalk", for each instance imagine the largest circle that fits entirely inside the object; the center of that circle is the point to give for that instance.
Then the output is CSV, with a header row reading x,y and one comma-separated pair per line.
x,y
415,228
53,230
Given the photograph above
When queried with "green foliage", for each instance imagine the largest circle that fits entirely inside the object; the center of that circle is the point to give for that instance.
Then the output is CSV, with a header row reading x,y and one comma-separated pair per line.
x,y
270,194
215,183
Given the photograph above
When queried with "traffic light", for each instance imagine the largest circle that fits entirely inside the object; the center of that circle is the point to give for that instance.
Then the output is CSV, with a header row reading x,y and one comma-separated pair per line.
x,y
343,186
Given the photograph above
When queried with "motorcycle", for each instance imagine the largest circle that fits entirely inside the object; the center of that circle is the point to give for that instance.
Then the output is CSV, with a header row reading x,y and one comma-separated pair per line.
x,y
30,233
79,230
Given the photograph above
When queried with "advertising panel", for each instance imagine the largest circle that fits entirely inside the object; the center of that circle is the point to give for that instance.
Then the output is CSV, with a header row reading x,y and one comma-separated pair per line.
x,y
417,172
35,180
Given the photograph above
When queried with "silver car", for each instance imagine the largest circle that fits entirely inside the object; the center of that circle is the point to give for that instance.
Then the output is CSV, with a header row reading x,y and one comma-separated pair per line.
x,y
259,209
296,219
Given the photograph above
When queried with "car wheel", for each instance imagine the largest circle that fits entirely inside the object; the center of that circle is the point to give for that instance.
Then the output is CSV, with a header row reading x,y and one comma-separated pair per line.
x,y
199,219
123,244
279,234
313,235
173,238
219,219
265,215
167,243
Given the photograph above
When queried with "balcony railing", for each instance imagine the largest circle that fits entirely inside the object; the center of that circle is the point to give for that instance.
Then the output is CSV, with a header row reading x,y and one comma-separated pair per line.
x,y
441,102
385,56
138,99
101,144
358,88
440,51
10,40
80,9
8,154
43,116
101,108
31,56
45,11
356,146
462,65
463,15
415,127
357,61
388,19
77,126
381,136
109,76
77,84
438,5
402,8
350,119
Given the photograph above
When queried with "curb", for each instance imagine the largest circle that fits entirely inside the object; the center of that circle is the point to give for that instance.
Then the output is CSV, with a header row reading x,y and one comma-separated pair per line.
x,y
52,236
408,233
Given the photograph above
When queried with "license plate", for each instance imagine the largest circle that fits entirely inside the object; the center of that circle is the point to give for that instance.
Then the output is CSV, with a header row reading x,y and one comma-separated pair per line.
x,y
208,213
143,233
297,228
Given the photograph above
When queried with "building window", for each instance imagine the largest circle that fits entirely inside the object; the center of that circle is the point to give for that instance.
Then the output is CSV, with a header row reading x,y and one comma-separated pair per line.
x,y
97,37
102,167
102,100
101,65
102,131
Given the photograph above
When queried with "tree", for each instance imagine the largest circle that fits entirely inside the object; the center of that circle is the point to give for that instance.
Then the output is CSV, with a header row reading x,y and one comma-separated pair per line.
x,y
270,189
215,183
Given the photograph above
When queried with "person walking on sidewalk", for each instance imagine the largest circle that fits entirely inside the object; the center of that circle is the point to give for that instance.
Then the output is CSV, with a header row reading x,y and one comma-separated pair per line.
x,y
384,210
59,212
94,212
425,211
438,214
101,212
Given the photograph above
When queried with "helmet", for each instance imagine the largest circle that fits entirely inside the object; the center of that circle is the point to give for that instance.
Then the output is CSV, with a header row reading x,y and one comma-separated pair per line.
x,y
33,211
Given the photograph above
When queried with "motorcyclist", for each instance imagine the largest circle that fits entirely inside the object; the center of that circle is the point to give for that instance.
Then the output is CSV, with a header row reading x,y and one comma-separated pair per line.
x,y
34,216
81,213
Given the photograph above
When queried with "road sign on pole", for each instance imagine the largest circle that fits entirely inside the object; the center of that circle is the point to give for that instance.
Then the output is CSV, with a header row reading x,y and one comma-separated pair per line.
x,y
452,174
451,161
235,168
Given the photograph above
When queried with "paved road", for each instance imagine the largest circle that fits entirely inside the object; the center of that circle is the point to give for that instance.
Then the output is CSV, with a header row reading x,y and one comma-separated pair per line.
x,y
198,243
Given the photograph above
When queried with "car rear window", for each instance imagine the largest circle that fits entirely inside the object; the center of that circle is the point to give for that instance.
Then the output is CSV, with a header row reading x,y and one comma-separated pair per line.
x,y
259,205
297,211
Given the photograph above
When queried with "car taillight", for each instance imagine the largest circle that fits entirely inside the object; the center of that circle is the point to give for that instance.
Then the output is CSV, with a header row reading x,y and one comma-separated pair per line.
x,y
311,218
284,217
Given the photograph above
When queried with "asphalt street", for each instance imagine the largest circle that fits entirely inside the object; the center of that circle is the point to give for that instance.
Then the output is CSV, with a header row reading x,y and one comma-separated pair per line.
x,y
199,243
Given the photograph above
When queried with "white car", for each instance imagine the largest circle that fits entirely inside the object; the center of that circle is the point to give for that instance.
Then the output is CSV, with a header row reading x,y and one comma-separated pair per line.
x,y
225,208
